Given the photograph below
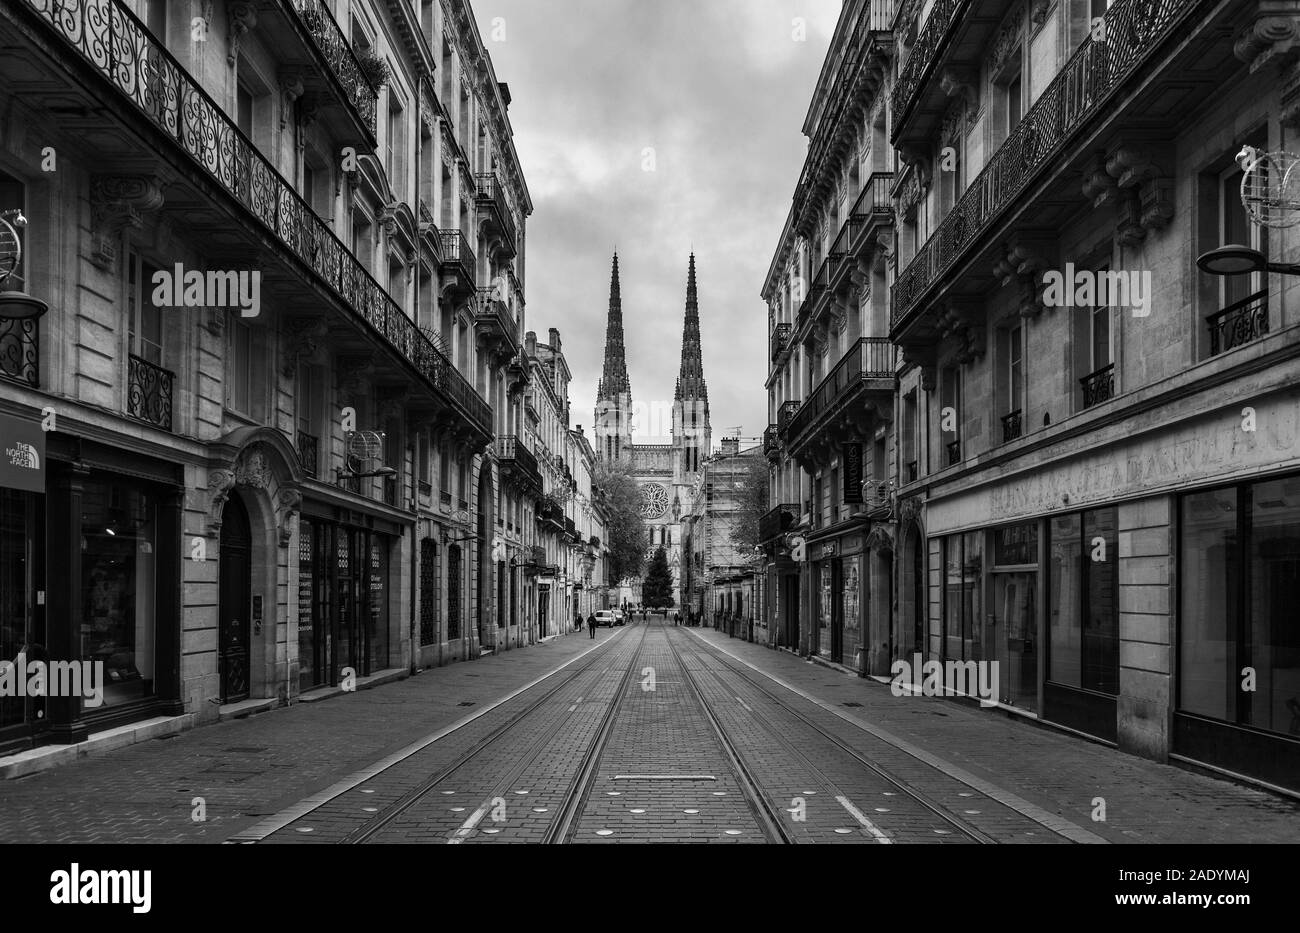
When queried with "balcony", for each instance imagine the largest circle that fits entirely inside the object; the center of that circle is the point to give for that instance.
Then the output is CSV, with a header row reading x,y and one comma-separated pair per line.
x,y
816,292
1098,387
772,442
149,393
518,463
929,48
498,334
784,414
1239,323
872,209
777,521
223,183
20,351
571,530
351,86
1083,91
490,200
953,449
837,260
868,366
780,343
429,234
458,262
1012,426
308,446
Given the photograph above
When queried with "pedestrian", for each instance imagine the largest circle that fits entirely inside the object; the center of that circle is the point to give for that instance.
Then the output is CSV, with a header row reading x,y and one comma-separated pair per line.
x,y
591,624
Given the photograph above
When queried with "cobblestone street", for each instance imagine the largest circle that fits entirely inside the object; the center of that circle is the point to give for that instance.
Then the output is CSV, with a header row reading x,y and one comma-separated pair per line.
x,y
652,733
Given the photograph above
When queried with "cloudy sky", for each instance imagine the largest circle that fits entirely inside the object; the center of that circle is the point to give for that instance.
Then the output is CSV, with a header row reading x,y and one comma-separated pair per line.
x,y
718,89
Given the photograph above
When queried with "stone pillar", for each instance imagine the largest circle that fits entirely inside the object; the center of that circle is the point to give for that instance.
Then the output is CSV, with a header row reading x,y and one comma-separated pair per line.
x,y
64,609
1146,627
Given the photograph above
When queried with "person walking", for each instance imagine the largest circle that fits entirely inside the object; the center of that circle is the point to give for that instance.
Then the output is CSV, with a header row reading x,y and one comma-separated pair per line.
x,y
591,624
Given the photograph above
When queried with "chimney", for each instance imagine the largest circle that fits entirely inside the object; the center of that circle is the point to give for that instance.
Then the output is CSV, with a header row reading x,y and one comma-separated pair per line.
x,y
530,343
730,446
555,339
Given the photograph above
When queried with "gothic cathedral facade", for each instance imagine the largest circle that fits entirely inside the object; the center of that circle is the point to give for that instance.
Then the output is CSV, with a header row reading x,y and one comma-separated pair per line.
x,y
666,473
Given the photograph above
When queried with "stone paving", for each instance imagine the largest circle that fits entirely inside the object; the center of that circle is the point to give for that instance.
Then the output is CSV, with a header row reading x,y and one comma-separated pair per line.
x,y
1005,778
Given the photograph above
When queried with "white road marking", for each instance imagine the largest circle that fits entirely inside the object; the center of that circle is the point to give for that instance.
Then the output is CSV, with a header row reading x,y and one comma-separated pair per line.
x,y
468,826
861,817
744,704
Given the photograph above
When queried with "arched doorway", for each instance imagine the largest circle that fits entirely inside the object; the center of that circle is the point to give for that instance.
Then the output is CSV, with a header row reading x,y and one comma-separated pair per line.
x,y
483,588
234,601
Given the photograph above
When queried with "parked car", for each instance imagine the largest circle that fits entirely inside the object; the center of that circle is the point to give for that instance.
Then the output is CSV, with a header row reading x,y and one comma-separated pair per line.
x,y
605,617
619,618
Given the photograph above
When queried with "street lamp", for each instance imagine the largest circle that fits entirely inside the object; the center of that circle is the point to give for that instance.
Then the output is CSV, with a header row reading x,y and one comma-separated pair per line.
x,y
15,304
1235,259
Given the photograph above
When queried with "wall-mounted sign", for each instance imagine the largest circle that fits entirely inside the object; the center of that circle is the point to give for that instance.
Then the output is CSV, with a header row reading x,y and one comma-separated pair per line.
x,y
22,454
852,473
828,550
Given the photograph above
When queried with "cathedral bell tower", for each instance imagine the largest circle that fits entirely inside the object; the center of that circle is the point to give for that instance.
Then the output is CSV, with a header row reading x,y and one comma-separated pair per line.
x,y
614,393
692,435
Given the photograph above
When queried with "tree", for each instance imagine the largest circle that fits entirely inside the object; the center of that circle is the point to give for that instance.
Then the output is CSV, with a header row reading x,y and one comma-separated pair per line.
x,y
625,527
751,505
657,587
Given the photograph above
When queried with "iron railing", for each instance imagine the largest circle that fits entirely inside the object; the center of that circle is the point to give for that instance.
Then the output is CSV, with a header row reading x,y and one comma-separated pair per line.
x,y
456,251
492,308
872,204
868,358
954,452
149,391
1079,91
771,440
511,449
777,520
784,414
20,351
309,453
489,194
1012,426
1239,323
925,52
820,283
780,340
1099,386
358,92
121,48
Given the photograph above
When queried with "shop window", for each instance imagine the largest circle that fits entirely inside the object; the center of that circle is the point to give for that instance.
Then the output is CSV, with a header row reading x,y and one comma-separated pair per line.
x,y
963,597
428,591
1083,601
453,591
1239,558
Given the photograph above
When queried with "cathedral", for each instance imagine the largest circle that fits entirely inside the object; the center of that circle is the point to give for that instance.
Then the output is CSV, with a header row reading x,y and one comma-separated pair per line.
x,y
666,473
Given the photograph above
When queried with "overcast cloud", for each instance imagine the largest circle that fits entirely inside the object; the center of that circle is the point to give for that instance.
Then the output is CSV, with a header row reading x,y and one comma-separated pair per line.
x,y
719,90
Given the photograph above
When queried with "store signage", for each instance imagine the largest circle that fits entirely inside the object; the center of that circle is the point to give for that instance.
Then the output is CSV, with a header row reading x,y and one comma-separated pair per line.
x,y
828,550
852,473
22,454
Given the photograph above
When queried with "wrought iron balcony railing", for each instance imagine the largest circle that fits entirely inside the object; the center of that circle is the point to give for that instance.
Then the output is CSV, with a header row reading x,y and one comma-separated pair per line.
x,y
458,255
515,455
1079,92
491,307
1239,323
872,206
123,51
776,521
358,92
149,391
816,291
868,358
954,452
771,441
780,340
784,414
1098,387
925,52
1012,426
490,196
309,453
20,351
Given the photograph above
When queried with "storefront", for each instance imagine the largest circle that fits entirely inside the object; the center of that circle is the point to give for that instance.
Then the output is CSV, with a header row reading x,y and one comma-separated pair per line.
x,y
345,560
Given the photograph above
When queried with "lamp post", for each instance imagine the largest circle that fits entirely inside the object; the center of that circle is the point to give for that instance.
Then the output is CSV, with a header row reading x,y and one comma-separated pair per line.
x,y
15,304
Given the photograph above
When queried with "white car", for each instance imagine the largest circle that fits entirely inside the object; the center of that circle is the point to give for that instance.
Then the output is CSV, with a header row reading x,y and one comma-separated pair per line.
x,y
605,617
619,618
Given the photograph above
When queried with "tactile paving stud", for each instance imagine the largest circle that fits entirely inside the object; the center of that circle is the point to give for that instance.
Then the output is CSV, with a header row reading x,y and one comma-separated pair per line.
x,y
843,832
690,811
366,790
637,810
972,812
491,832
604,832
305,829
733,832
964,794
541,809
370,809
448,792
719,793
613,793
457,809
882,809
943,832
521,792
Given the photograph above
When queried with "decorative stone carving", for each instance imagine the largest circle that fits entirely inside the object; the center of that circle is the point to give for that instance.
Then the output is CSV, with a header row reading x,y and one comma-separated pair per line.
x,y
1006,41
116,202
288,505
291,89
911,509
220,482
880,539
253,469
960,83
1272,38
1038,11
243,17
1128,219
953,125
1098,184
1157,203
301,339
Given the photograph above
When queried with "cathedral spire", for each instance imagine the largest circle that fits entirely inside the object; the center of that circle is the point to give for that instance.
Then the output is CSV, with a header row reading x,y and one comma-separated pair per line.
x,y
690,378
613,380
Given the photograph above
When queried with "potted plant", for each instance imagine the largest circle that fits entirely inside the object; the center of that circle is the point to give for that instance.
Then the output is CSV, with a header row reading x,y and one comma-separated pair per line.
x,y
373,65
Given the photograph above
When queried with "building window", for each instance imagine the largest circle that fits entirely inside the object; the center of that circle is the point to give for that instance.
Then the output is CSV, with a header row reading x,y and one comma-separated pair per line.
x,y
1236,227
243,386
453,591
1083,601
1239,559
1015,104
244,110
145,327
428,591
